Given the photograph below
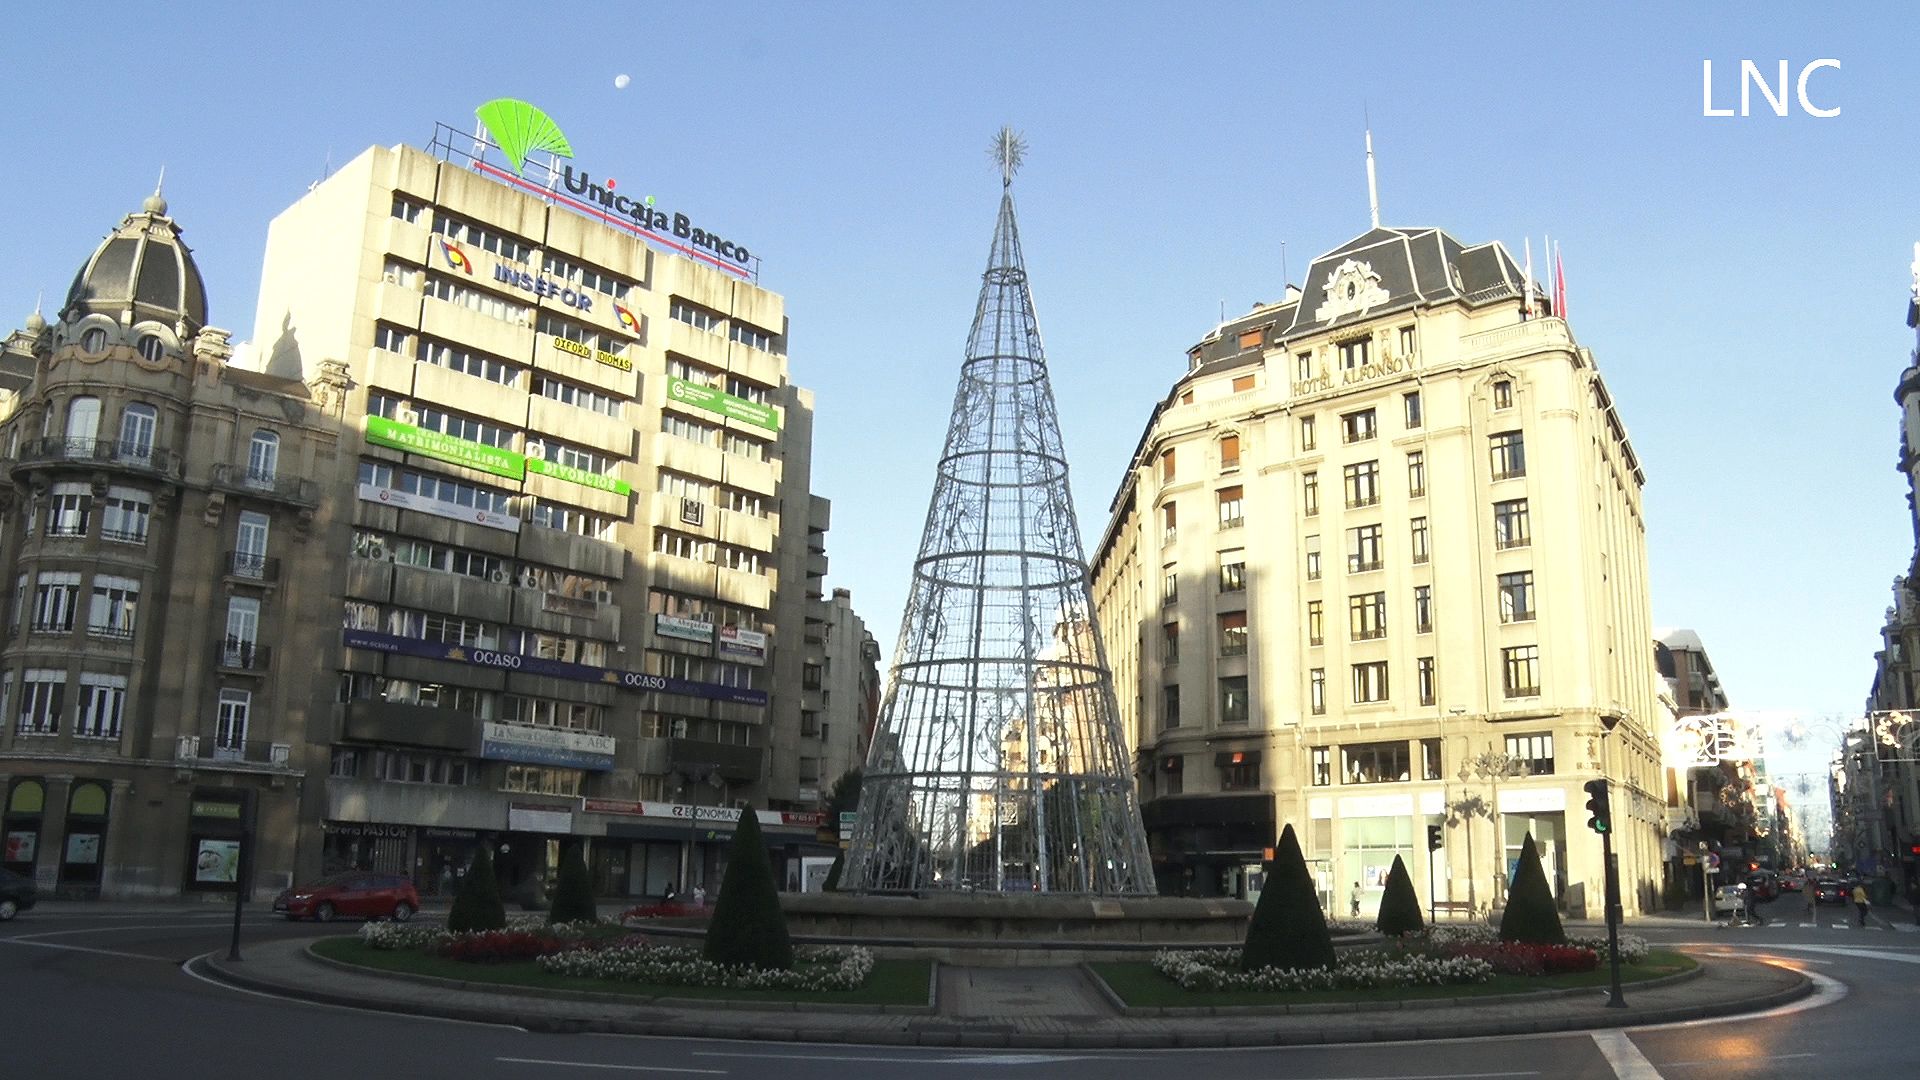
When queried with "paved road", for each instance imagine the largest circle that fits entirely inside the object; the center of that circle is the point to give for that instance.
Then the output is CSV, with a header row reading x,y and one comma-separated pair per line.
x,y
98,991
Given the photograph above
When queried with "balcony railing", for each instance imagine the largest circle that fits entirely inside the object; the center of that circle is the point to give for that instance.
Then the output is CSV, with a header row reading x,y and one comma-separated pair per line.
x,y
239,655
191,748
249,566
287,489
137,456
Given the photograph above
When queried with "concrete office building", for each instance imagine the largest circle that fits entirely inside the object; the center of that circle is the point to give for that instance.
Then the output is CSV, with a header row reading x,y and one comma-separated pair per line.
x,y
1378,566
841,696
576,543
164,562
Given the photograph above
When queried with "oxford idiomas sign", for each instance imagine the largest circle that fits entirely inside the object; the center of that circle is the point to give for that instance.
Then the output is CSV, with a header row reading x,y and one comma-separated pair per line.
x,y
520,129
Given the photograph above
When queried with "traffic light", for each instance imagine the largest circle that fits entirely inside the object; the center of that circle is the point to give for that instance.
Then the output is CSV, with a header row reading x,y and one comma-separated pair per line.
x,y
1599,807
1433,838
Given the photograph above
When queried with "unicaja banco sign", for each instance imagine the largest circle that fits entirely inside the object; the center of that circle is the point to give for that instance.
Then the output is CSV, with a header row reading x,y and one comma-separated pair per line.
x,y
520,129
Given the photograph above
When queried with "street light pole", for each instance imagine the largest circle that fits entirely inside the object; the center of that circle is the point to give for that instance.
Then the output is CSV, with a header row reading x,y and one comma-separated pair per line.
x,y
1706,884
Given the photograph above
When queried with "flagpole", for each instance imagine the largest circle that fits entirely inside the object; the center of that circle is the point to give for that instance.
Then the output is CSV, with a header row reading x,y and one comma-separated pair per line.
x,y
1527,308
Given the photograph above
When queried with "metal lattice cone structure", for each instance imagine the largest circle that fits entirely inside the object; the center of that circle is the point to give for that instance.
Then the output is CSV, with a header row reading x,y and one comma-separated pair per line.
x,y
999,762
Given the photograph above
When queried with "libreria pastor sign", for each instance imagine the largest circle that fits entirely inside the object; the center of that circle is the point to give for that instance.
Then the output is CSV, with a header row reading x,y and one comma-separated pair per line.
x,y
520,129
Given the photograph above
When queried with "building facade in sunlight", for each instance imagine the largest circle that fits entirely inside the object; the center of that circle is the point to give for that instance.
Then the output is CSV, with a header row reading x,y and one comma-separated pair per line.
x,y
1378,570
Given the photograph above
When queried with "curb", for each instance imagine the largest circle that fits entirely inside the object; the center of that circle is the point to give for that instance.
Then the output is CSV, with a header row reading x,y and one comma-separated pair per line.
x,y
920,1033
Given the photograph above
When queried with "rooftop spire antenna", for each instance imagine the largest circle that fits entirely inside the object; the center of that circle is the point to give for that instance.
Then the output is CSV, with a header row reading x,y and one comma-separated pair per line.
x,y
1008,151
1284,279
1373,185
160,184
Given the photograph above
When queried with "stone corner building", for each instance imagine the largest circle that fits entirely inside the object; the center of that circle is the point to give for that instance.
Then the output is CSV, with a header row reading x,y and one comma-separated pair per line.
x,y
155,678
1379,535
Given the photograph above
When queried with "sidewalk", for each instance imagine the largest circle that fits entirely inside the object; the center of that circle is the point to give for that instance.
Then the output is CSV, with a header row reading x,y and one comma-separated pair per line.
x,y
1008,1007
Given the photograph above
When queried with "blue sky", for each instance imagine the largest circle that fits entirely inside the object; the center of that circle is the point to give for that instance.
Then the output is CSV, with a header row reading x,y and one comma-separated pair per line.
x,y
1741,282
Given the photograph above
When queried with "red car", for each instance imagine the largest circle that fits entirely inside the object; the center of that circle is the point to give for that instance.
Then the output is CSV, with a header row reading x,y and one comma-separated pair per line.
x,y
356,895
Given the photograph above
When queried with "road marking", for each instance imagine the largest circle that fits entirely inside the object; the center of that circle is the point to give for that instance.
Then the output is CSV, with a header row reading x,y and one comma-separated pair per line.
x,y
23,943
1728,1060
949,1059
103,930
186,967
1627,1060
1826,991
597,1065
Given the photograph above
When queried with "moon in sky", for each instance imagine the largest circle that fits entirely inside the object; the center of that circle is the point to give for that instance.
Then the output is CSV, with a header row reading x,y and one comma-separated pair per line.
x,y
620,82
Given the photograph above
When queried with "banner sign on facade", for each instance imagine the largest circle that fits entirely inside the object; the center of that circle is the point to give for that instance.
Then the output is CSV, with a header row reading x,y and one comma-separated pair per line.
x,y
722,403
573,475
394,497
685,629
558,669
501,462
794,818
525,817
748,645
546,746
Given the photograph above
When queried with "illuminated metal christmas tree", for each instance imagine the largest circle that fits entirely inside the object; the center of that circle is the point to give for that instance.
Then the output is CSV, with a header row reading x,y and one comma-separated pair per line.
x,y
999,762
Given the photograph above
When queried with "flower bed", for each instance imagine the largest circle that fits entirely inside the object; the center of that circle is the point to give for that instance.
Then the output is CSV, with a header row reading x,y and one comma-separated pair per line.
x,y
673,965
1218,969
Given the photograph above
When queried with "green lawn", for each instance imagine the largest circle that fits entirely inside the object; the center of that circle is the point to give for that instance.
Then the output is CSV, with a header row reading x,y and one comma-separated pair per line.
x,y
1139,985
893,982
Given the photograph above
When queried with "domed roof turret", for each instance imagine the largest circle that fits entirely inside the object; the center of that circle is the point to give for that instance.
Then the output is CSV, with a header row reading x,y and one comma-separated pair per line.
x,y
141,271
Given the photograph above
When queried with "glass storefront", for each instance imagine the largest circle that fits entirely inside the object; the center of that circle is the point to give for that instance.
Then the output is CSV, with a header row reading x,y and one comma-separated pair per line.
x,y
1367,848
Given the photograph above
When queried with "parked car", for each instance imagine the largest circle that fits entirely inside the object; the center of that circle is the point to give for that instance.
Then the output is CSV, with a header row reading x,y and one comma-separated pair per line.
x,y
1729,899
1765,885
356,895
1792,882
17,894
1832,891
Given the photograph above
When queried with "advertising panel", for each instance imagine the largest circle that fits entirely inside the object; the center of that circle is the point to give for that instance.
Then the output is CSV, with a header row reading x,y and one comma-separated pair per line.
x,y
748,645
414,440
217,862
392,497
685,629
546,746
722,403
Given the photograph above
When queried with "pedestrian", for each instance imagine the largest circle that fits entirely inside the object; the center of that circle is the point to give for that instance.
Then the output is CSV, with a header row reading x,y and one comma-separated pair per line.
x,y
1812,893
1860,901
667,897
1354,899
700,896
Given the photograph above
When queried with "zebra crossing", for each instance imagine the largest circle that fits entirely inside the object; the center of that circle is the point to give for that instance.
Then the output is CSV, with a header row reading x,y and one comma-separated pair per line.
x,y
1880,925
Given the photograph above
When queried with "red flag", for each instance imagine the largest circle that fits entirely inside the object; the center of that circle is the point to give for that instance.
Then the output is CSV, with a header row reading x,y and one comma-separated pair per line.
x,y
1559,285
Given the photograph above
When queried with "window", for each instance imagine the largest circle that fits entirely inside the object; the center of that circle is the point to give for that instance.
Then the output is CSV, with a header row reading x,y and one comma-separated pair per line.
x,y
1303,366
1232,514
441,287
1233,571
1233,633
1169,524
1363,549
1534,752
1250,339
1170,643
1317,690
1233,700
1321,759
682,427
115,603
124,515
1369,682
1430,762
1358,426
151,348
572,519
693,315
1175,777
406,209
54,598
1170,706
465,361
243,631
1363,484
1411,402
1516,597
263,458
345,763
1509,455
1242,383
1170,585
94,340
682,545
1229,453
1353,354
19,610
1310,493
485,239
1503,394
578,457
585,276
1419,530
401,767
1521,667
1423,609
746,446
392,339
554,325
102,700
83,425
1313,558
69,508
230,722
748,391
461,426
753,337
1316,623
1241,772
1416,474
1367,616
1374,763
1510,527
1406,345
1166,466
538,780
250,544
43,693
1423,675
580,397
1307,439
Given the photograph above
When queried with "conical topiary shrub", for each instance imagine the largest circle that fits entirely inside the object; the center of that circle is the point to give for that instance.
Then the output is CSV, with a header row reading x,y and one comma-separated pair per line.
x,y
573,891
1288,929
748,928
477,905
1399,906
1531,916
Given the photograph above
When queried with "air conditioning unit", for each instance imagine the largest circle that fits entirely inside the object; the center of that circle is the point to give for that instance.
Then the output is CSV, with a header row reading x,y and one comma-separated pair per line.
x,y
278,753
377,550
405,414
677,729
186,748
536,448
693,511
529,578
603,596
498,577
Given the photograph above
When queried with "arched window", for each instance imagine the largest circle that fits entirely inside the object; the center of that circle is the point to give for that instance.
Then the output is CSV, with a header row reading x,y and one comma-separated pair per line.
x,y
152,349
28,798
138,422
83,425
88,800
94,340
263,458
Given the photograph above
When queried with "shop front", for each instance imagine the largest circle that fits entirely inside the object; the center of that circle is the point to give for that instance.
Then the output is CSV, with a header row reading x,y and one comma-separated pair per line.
x,y
1209,845
26,808
640,854
88,807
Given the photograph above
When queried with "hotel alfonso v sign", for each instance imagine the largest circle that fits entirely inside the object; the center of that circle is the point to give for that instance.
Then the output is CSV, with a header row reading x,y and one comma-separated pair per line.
x,y
520,129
